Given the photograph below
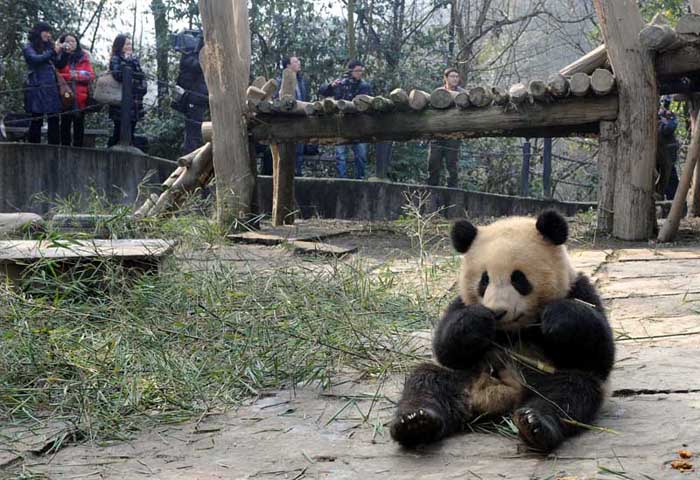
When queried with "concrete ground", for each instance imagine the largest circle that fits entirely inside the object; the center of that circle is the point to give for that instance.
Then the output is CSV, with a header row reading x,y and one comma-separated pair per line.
x,y
653,300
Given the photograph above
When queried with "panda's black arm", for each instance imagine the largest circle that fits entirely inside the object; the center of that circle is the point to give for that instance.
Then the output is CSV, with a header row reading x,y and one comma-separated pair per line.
x,y
463,335
576,333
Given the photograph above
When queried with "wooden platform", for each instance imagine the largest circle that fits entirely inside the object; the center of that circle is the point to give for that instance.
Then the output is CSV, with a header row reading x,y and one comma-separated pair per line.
x,y
23,251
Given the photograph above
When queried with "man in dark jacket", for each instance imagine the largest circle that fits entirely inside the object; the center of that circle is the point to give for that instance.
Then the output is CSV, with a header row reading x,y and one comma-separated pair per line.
x,y
195,100
667,151
447,149
347,88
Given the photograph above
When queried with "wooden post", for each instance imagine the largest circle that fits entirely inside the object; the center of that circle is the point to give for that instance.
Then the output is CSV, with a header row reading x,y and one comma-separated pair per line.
x,y
607,156
227,71
693,199
525,172
633,66
547,167
283,159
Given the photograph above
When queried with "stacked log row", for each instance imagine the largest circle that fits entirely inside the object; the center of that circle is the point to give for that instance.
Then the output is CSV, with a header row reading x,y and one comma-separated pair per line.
x,y
578,82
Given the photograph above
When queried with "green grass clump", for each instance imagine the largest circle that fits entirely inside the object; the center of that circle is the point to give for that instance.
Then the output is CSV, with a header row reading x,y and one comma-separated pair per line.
x,y
111,352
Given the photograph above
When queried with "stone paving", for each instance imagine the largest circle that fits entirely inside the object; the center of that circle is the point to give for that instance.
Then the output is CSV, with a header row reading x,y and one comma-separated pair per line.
x,y
653,299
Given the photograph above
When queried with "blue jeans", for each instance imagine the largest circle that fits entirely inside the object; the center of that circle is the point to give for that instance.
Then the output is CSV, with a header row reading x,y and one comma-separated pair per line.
x,y
341,157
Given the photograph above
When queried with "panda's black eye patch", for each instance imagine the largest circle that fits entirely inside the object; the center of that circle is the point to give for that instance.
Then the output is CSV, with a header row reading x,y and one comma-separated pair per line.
x,y
520,282
483,283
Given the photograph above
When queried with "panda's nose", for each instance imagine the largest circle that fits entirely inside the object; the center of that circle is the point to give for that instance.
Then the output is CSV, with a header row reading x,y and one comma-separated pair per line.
x,y
499,314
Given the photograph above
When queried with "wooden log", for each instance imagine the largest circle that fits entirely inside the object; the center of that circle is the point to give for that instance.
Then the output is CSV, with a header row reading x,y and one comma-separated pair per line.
x,y
382,104
400,98
259,82
596,58
442,98
657,37
670,226
558,86
346,107
606,168
568,116
276,105
270,88
500,96
207,132
329,106
689,24
309,108
284,157
580,84
186,160
462,100
537,90
176,173
287,103
621,22
418,100
479,97
147,206
251,105
300,108
602,81
255,93
318,107
518,93
363,103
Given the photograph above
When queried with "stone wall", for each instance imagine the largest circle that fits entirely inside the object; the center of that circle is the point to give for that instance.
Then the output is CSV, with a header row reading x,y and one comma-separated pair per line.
x,y
28,171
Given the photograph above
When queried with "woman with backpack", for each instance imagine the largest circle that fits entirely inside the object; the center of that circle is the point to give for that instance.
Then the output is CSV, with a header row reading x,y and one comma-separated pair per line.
x,y
123,56
41,95
78,73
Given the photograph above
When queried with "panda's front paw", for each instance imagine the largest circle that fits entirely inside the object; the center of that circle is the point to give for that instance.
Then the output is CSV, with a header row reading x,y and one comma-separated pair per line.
x,y
415,427
562,318
539,431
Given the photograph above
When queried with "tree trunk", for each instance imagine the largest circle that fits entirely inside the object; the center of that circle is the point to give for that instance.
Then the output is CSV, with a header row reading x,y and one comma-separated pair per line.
x,y
693,199
634,214
227,70
162,45
352,50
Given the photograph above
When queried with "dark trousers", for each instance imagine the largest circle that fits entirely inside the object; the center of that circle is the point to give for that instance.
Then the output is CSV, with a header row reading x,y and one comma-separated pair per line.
x,y
449,149
116,134
54,131
72,136
193,128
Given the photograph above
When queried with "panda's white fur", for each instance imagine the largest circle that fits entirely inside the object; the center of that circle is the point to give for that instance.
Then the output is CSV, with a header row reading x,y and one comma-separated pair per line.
x,y
507,245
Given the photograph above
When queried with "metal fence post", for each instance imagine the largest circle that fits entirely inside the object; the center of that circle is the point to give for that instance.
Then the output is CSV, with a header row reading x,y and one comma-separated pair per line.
x,y
127,105
525,172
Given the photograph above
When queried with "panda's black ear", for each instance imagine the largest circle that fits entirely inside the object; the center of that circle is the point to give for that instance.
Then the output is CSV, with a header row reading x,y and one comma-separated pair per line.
x,y
553,227
463,234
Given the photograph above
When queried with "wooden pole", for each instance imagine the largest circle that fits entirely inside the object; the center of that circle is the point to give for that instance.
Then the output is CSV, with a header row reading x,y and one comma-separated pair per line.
x,y
633,66
670,227
607,156
693,198
227,71
283,159
525,172
547,168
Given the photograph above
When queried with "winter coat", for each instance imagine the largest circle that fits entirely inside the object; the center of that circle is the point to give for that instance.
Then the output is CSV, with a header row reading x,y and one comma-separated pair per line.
x,y
191,78
138,89
348,89
41,94
79,74
302,92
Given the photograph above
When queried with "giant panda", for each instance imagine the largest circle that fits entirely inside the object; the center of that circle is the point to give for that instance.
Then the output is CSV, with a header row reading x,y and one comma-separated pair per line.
x,y
527,336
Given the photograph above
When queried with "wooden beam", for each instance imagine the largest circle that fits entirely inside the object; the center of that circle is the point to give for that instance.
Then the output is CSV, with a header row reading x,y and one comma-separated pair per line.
x,y
227,71
283,159
607,158
587,64
634,214
565,117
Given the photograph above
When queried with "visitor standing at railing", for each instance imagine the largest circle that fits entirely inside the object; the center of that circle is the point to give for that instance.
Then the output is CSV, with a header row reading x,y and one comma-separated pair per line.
x,y
195,99
347,88
41,95
78,73
447,149
123,57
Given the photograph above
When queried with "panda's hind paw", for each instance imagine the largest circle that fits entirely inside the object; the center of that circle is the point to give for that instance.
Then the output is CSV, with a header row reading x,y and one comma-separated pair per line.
x,y
540,432
418,426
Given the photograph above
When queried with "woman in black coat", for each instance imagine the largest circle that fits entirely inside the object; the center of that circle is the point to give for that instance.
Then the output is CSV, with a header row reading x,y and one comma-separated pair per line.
x,y
123,56
41,96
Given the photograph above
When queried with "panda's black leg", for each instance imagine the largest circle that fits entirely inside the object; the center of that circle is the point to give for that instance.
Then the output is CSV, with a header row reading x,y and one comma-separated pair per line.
x,y
432,406
554,399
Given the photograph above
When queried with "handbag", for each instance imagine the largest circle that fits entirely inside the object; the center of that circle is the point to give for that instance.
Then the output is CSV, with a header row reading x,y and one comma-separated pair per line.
x,y
108,90
66,93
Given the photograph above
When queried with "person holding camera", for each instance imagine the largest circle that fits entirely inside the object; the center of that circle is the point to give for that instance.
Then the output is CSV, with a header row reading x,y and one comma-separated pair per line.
x,y
123,55
41,94
78,73
347,88
195,99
